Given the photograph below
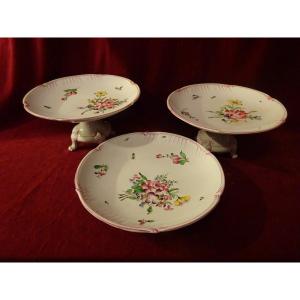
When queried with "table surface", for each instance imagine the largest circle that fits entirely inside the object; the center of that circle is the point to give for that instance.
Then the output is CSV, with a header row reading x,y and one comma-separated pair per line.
x,y
42,219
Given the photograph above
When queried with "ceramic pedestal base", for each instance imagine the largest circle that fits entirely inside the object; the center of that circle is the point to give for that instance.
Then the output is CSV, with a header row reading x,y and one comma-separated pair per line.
x,y
90,132
215,142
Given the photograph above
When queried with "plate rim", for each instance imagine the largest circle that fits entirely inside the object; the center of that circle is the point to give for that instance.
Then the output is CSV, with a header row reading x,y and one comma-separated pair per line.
x,y
87,119
216,199
281,121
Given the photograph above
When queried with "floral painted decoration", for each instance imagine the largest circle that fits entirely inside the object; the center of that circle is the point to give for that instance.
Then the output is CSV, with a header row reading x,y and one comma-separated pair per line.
x,y
68,93
180,159
101,102
234,112
100,170
187,114
143,221
159,192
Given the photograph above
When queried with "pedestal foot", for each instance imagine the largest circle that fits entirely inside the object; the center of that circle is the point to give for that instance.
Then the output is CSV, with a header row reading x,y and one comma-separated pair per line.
x,y
216,142
89,132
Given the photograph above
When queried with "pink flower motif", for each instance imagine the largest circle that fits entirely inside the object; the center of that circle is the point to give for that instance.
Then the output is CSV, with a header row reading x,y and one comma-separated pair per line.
x,y
135,177
168,207
235,114
152,198
160,187
149,186
167,197
99,105
109,103
175,159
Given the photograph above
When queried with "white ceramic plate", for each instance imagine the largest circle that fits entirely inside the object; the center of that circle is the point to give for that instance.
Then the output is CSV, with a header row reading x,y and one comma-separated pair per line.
x,y
81,98
149,182
226,109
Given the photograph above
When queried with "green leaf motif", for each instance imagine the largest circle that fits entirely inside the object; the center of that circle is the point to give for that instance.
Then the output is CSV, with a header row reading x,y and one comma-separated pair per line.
x,y
183,155
138,189
70,90
143,176
149,210
97,166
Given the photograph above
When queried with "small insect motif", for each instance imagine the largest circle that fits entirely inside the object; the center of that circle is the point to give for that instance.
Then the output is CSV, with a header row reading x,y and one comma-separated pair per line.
x,y
133,156
46,106
195,97
212,97
106,202
143,221
201,198
187,114
126,139
119,88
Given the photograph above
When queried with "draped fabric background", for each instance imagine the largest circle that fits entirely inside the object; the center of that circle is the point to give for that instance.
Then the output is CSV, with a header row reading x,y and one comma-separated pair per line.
x,y
41,217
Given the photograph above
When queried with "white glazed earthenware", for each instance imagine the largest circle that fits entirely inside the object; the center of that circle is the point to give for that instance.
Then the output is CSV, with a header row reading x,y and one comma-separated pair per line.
x,y
221,110
83,99
149,182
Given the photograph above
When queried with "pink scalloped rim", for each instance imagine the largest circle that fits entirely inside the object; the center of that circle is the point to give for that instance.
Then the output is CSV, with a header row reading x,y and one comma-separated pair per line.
x,y
217,195
200,126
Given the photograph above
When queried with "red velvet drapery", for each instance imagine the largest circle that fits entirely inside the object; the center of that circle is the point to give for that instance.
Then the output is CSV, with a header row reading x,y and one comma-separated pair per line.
x,y
40,215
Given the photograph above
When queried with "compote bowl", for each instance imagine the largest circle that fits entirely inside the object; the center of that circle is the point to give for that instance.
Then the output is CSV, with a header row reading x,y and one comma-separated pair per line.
x,y
220,111
83,99
149,182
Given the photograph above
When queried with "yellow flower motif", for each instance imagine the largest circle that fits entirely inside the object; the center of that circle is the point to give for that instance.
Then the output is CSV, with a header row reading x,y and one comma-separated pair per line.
x,y
185,198
100,93
182,199
235,102
177,202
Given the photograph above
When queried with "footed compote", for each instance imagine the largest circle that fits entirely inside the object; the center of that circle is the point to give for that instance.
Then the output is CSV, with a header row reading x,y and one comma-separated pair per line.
x,y
83,99
221,111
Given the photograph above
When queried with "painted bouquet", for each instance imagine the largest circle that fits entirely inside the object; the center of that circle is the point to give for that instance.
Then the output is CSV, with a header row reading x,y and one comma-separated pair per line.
x,y
159,192
101,103
234,112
